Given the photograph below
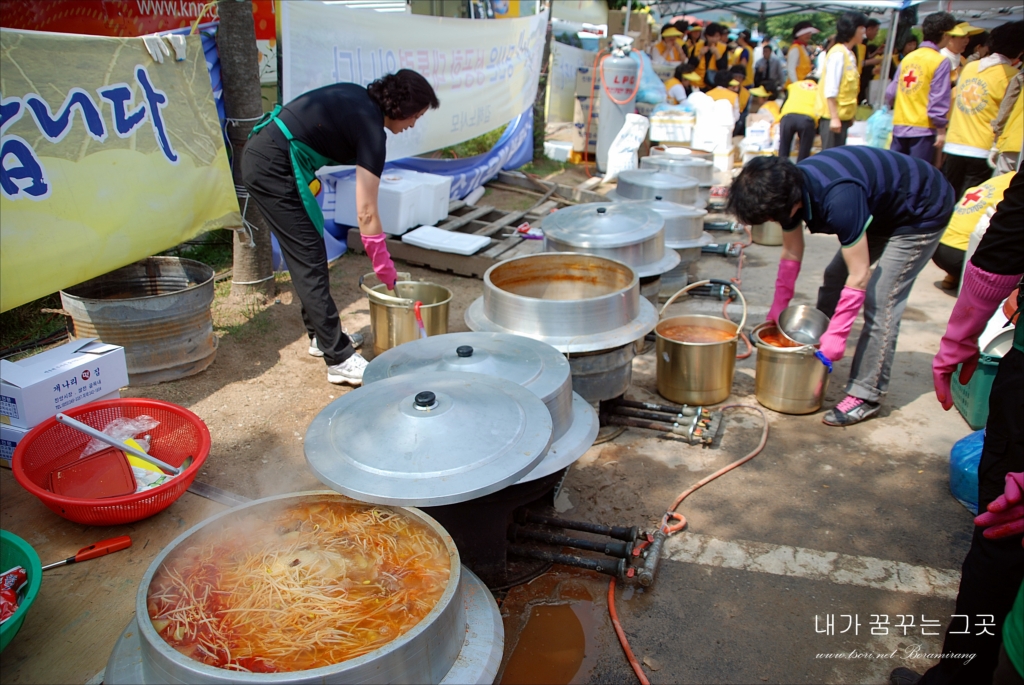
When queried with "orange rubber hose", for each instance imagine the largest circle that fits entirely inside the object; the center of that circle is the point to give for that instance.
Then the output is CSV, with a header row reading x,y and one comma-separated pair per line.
x,y
680,525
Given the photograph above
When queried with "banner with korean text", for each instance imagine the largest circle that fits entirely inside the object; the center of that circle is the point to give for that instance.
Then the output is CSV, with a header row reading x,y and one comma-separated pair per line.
x,y
106,157
484,72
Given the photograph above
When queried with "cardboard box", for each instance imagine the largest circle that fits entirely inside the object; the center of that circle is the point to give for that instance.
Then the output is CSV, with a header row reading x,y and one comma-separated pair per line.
x,y
81,371
10,436
584,81
639,27
579,124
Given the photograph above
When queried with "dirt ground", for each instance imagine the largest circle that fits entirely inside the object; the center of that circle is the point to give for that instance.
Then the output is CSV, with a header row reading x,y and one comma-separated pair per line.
x,y
876,491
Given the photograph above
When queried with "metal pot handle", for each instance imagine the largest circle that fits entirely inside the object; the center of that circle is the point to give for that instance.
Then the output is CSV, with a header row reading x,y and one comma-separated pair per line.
x,y
743,300
384,297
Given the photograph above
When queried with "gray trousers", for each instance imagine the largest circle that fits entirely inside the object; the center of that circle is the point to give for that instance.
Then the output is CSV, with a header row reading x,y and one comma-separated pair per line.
x,y
828,138
897,262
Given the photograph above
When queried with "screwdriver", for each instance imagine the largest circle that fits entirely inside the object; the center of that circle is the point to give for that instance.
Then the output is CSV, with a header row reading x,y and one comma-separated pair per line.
x,y
95,550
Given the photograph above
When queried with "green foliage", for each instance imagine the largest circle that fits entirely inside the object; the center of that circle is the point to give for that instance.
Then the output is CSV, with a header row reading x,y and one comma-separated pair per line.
x,y
475,146
25,324
212,248
781,27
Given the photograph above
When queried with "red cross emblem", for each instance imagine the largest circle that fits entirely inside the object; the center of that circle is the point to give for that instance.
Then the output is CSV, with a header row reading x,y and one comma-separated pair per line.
x,y
971,197
910,79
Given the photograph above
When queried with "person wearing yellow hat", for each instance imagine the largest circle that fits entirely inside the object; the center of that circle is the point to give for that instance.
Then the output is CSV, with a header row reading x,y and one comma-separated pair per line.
x,y
727,88
799,118
959,37
669,50
763,99
682,83
798,60
743,54
840,81
709,55
976,102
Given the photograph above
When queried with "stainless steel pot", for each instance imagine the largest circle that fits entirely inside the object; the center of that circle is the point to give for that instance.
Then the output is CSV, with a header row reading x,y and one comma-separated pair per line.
x,y
768,233
625,232
700,170
790,380
424,654
694,372
683,223
393,319
574,302
646,184
599,376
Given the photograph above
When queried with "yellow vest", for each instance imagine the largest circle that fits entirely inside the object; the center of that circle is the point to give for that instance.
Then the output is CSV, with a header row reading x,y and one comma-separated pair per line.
x,y
1013,131
734,58
719,93
913,86
670,52
717,50
849,86
975,105
802,99
772,107
744,98
971,207
669,85
862,53
803,62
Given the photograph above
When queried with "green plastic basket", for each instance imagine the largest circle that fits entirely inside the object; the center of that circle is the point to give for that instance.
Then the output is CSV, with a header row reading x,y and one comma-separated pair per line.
x,y
16,552
971,400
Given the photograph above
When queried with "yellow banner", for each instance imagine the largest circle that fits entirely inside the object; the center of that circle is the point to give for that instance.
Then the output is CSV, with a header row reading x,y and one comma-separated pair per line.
x,y
106,157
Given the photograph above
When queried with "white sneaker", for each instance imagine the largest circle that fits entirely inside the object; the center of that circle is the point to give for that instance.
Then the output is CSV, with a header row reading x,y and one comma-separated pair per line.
x,y
355,338
349,371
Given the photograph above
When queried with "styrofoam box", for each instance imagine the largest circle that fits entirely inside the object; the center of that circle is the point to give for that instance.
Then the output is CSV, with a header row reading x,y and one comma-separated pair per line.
x,y
405,199
557,150
433,238
36,388
10,436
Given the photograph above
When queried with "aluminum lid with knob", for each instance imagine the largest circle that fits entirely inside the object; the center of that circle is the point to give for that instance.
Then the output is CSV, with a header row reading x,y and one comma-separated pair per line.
x,y
630,234
683,223
645,184
533,364
428,439
700,169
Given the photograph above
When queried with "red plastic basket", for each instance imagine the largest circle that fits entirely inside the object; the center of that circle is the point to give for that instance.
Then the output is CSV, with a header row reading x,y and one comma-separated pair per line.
x,y
52,445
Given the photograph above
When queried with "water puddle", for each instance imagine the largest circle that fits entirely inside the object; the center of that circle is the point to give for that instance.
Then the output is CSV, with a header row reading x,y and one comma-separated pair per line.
x,y
555,646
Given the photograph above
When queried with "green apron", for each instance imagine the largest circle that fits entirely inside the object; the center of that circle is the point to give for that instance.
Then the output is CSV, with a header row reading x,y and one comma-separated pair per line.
x,y
305,162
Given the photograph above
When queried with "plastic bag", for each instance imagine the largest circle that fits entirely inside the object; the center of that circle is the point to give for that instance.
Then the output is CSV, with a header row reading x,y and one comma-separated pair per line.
x,y
622,152
963,469
122,429
651,90
880,129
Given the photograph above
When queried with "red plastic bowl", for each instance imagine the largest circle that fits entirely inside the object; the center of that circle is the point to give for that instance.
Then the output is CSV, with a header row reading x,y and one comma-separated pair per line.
x,y
52,445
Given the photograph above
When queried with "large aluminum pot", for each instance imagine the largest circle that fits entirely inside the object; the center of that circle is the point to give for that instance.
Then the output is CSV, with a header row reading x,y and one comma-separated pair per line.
x,y
573,302
790,380
695,372
646,184
700,169
424,654
393,319
624,232
683,223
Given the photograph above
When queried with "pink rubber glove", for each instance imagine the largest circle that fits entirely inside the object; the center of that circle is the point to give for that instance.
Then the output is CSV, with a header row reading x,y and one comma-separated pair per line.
x,y
377,249
981,293
785,285
1005,515
833,341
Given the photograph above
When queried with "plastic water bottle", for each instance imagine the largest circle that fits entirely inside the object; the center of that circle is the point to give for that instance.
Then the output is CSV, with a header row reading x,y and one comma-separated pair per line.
x,y
963,469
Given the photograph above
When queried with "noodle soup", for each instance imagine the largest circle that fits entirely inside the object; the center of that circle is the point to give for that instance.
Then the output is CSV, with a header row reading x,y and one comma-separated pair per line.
x,y
299,585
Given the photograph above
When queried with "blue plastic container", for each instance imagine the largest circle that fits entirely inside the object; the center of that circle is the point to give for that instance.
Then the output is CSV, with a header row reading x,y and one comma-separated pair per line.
x,y
963,469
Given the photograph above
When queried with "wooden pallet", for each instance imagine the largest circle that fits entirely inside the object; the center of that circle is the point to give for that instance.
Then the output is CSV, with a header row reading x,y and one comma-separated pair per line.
x,y
485,220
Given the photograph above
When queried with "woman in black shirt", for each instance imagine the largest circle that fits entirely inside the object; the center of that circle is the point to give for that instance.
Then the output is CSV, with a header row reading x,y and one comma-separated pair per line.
x,y
338,124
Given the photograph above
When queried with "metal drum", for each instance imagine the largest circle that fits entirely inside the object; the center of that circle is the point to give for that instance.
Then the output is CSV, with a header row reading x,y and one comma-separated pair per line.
x,y
701,170
789,379
157,309
625,232
427,653
683,223
647,184
697,372
535,365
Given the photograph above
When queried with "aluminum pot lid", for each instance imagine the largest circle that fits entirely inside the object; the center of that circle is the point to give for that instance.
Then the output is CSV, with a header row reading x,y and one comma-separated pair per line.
x,y
428,439
649,178
532,364
603,224
672,210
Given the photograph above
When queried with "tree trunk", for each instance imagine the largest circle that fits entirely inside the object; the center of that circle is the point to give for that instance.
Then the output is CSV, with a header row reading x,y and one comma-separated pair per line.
x,y
252,273
539,110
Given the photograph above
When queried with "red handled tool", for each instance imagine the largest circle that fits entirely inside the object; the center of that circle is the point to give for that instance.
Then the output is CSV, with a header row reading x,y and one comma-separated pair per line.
x,y
96,550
